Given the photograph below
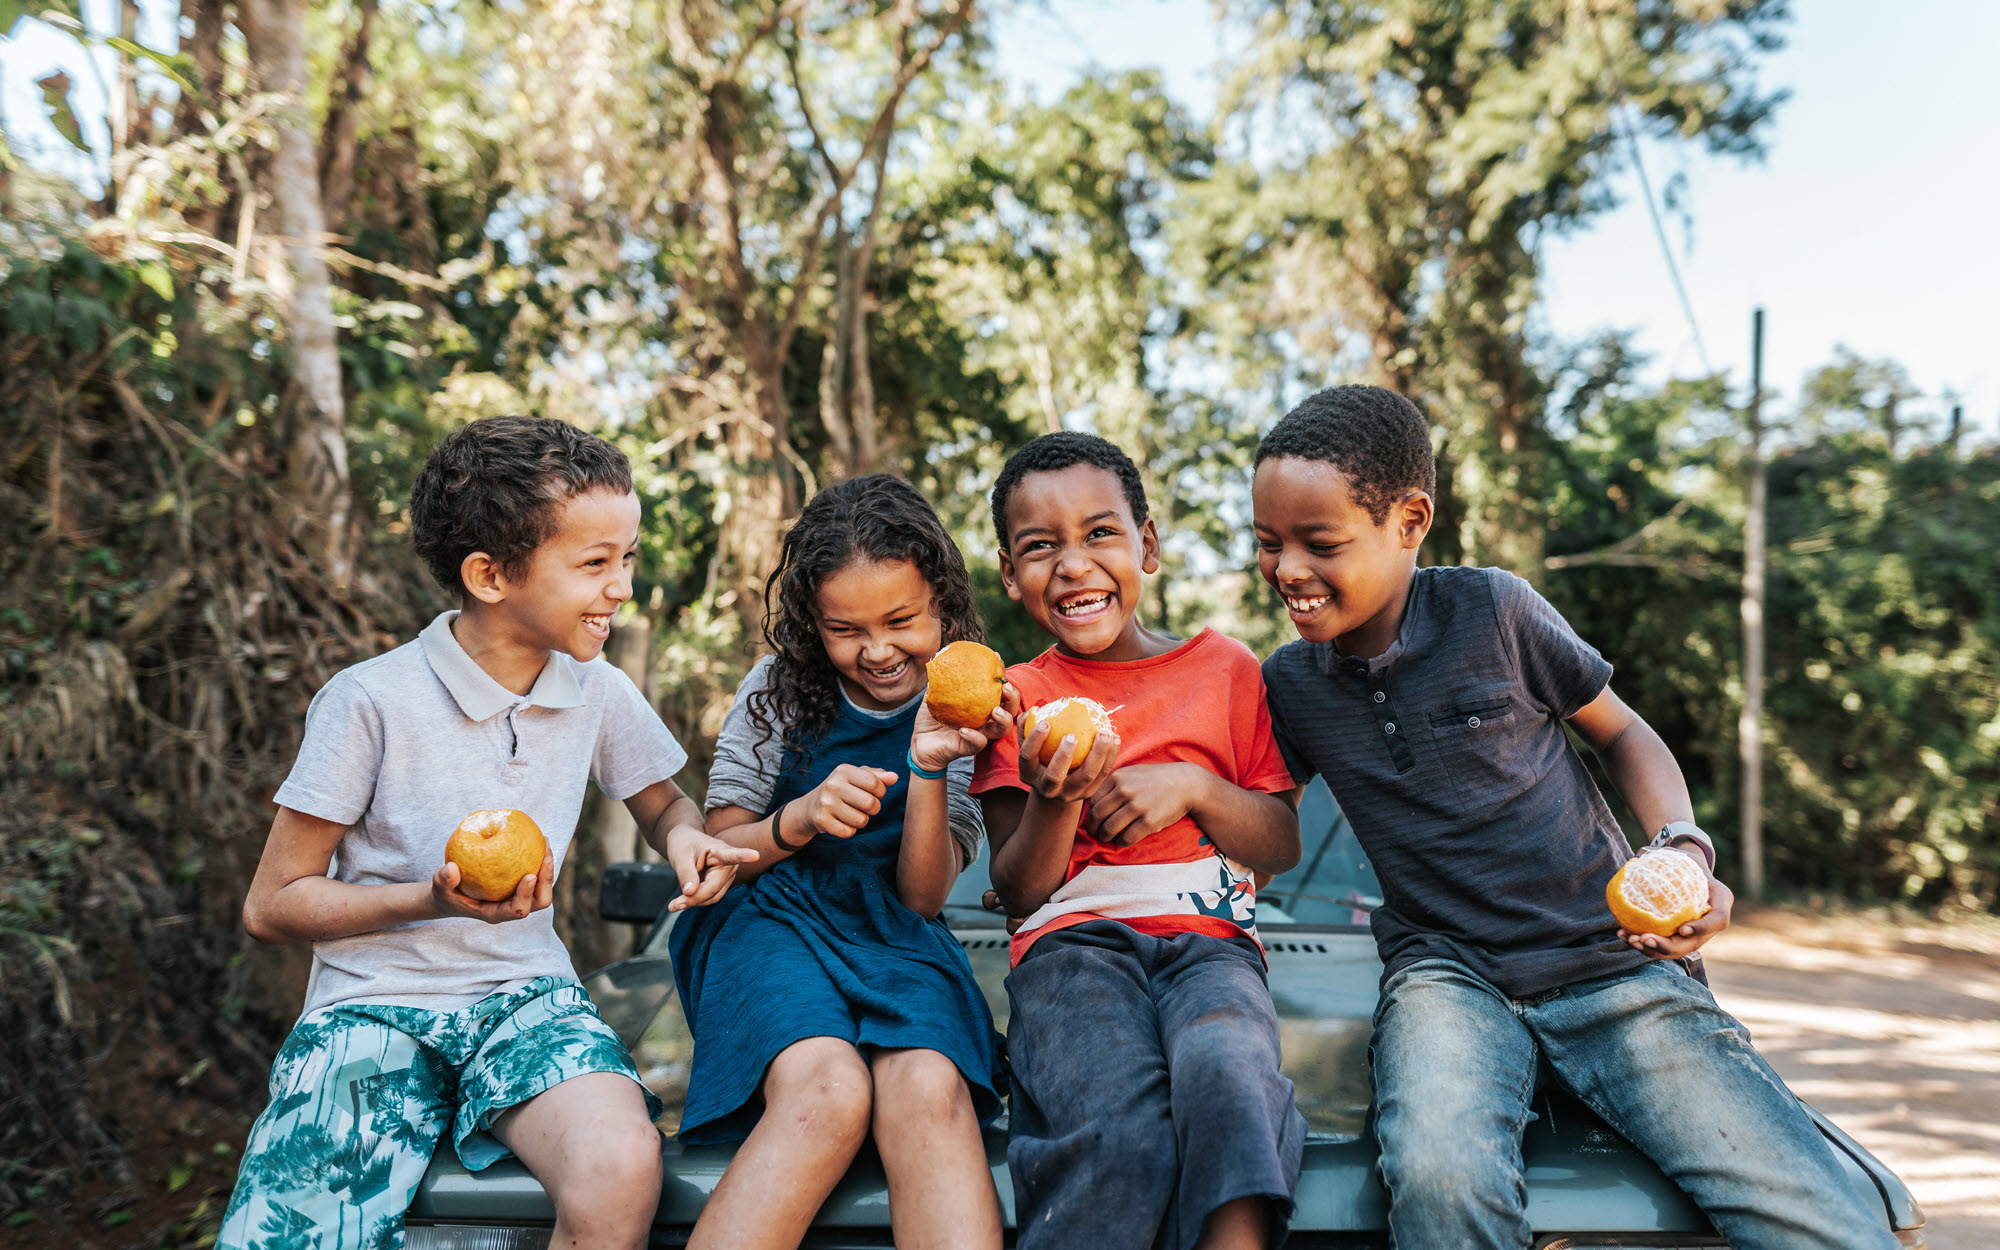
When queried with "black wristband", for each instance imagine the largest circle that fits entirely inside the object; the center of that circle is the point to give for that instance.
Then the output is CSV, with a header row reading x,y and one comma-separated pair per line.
x,y
778,832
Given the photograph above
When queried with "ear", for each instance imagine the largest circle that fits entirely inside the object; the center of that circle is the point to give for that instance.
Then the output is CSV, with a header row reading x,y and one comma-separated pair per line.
x,y
1007,578
1413,519
1149,547
482,577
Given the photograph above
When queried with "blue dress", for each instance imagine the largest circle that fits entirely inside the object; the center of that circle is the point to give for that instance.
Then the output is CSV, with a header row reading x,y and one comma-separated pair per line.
x,y
820,945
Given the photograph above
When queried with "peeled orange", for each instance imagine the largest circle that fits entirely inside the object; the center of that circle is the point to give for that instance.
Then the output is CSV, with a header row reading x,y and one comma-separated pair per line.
x,y
965,680
1658,893
1071,714
494,849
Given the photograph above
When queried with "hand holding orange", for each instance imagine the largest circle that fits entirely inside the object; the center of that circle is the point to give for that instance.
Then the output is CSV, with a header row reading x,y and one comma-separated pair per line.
x,y
494,848
1071,714
1657,893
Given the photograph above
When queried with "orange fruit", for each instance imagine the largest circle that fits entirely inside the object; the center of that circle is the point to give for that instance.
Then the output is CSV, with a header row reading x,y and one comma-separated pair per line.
x,y
1071,714
1658,893
494,849
965,684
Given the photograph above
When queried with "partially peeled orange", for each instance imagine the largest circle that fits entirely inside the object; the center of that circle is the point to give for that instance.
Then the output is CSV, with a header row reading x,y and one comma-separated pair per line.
x,y
1071,714
1657,893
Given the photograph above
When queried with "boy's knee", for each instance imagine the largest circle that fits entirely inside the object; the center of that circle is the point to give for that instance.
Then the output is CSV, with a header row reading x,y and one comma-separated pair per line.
x,y
922,1084
614,1160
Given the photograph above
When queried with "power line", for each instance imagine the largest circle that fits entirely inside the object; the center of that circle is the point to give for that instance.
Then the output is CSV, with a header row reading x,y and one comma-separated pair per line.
x,y
1666,252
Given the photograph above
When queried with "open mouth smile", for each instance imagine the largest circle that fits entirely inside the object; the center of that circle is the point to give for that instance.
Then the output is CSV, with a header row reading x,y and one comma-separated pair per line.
x,y
1302,605
885,676
597,624
1086,604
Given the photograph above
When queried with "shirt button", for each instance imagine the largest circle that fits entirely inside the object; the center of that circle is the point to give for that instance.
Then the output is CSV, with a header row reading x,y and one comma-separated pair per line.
x,y
1380,697
1389,728
1472,722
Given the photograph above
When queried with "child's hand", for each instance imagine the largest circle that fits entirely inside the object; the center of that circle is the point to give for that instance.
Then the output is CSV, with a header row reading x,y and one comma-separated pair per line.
x,y
1065,779
934,744
1690,937
1138,801
705,865
535,891
841,806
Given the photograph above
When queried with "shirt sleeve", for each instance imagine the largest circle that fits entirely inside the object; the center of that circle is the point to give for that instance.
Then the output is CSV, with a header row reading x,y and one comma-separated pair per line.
x,y
1261,767
968,824
1288,749
635,748
340,756
745,773
1561,670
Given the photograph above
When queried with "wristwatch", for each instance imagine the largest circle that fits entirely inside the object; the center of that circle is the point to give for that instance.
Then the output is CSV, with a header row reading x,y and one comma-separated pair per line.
x,y
1678,830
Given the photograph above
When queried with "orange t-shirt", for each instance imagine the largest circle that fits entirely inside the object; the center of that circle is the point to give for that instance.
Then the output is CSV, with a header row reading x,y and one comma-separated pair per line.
x,y
1201,703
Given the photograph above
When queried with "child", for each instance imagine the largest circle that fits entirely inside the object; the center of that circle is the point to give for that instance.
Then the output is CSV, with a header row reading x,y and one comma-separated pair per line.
x,y
1433,701
428,1010
828,998
1147,1105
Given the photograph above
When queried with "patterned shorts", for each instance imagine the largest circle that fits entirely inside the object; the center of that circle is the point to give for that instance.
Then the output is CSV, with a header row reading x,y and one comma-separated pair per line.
x,y
361,1096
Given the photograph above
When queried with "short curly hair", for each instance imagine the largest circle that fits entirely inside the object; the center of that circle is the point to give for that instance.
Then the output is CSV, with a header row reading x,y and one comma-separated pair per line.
x,y
1377,439
498,485
1062,450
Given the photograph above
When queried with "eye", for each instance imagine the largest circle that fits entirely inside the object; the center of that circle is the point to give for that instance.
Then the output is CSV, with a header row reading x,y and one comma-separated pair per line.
x,y
1267,544
1106,530
1324,549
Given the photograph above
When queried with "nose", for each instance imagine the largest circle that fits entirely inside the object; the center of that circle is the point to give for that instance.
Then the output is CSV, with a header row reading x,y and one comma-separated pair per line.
x,y
620,588
1290,570
877,651
1072,564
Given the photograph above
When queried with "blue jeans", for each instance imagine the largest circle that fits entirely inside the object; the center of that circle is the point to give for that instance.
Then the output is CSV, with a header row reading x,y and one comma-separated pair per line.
x,y
1647,1050
1146,1091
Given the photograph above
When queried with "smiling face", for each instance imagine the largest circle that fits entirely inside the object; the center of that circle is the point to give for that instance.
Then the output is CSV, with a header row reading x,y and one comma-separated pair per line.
x,y
1074,559
876,621
577,579
1344,576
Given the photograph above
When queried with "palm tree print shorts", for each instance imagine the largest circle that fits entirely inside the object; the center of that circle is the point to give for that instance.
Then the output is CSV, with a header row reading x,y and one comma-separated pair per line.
x,y
361,1095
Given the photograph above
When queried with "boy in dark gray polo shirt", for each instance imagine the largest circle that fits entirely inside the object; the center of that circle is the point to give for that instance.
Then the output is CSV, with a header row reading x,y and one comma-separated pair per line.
x,y
429,1012
1433,701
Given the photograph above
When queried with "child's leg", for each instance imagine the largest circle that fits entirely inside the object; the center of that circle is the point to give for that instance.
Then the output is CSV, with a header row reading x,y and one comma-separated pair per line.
x,y
817,1097
550,1081
1652,1053
1241,1139
1454,1072
1091,1146
592,1145
357,1108
940,1191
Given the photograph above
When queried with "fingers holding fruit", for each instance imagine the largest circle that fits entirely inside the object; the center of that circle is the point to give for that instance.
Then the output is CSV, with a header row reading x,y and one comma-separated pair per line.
x,y
1667,903
934,743
497,867
1068,745
842,805
533,892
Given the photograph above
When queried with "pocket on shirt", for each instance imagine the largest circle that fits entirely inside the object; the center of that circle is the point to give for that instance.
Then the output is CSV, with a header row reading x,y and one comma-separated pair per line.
x,y
1475,734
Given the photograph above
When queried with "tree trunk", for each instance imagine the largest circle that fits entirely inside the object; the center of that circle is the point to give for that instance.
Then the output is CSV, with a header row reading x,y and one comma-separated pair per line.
x,y
337,136
316,452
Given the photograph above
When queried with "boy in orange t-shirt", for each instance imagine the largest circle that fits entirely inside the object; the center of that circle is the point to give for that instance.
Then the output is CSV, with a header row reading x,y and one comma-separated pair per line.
x,y
1147,1104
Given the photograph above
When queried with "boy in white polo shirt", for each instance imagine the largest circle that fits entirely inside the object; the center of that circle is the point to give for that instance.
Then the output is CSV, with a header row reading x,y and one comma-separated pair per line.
x,y
428,1010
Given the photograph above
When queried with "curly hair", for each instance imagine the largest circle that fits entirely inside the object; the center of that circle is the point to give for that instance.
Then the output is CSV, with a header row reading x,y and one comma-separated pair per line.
x,y
869,519
1061,450
1375,437
498,485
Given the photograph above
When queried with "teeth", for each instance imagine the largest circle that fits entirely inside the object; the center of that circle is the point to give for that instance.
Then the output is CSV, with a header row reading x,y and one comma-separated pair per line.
x,y
1306,605
1075,606
897,671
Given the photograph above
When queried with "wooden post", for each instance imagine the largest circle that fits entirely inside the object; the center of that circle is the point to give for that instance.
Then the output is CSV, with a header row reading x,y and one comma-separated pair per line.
x,y
1750,726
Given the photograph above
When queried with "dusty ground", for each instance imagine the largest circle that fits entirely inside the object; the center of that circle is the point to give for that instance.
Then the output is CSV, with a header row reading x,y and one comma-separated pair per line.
x,y
1893,1031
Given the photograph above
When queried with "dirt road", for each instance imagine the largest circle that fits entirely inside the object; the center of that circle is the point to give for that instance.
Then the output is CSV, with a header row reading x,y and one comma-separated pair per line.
x,y
1893,1033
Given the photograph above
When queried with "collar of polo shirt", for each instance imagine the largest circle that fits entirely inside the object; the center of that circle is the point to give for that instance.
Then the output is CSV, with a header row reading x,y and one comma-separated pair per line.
x,y
477,694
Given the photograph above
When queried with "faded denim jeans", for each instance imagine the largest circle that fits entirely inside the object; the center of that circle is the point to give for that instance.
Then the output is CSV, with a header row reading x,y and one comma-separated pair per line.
x,y
1146,1089
1647,1050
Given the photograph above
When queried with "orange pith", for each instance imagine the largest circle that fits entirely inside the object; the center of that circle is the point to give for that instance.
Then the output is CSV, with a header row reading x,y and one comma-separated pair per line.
x,y
965,680
1658,893
494,849
1071,714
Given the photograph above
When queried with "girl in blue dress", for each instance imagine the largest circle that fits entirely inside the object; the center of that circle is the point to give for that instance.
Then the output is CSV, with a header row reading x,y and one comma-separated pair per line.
x,y
827,999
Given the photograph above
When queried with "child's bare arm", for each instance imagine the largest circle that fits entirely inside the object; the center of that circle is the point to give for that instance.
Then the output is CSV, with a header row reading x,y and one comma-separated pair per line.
x,y
1257,830
292,899
1650,781
671,825
929,860
1033,832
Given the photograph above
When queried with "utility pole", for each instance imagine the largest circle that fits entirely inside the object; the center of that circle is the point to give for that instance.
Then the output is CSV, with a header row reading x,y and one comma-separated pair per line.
x,y
1750,726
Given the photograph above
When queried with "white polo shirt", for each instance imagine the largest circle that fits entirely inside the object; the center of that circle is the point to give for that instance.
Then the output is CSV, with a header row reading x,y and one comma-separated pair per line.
x,y
403,746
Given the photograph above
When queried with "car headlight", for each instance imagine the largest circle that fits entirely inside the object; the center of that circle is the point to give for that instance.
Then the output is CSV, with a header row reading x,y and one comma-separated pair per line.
x,y
474,1237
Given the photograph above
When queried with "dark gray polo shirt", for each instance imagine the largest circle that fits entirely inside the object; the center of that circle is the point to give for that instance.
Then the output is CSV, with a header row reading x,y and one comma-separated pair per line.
x,y
1447,752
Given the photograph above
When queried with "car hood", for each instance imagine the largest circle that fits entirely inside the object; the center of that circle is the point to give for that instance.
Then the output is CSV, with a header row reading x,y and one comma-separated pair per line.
x,y
1580,1175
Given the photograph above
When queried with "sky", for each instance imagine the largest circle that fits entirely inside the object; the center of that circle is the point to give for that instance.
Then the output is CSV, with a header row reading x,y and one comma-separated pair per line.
x,y
1870,223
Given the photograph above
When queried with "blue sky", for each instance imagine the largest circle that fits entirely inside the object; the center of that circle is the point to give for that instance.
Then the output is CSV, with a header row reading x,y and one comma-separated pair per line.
x,y
1870,223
